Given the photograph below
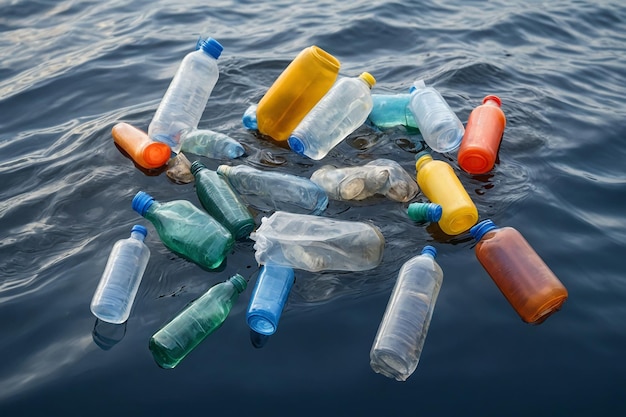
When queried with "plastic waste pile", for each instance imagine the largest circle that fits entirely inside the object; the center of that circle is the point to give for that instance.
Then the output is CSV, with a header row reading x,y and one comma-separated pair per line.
x,y
312,109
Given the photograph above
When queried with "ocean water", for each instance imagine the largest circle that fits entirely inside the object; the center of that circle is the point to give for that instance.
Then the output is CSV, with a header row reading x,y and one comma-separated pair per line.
x,y
71,69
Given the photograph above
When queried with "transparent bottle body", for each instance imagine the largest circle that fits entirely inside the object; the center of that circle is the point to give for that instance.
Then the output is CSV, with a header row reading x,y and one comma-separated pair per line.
x,y
190,232
439,125
314,243
390,110
268,298
267,190
118,286
185,99
215,145
340,112
400,338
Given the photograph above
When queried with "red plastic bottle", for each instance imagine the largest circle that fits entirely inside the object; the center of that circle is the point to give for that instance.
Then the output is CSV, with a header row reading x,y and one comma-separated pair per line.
x,y
483,134
525,280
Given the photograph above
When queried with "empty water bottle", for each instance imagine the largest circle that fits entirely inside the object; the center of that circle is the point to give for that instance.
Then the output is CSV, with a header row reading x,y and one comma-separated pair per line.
x,y
381,176
340,112
174,341
205,142
526,281
221,202
268,190
315,243
249,118
440,185
187,95
120,280
268,298
390,110
440,127
400,338
424,212
186,230
137,144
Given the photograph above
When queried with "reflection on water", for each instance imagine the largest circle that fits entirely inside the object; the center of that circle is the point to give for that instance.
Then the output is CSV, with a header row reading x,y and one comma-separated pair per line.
x,y
106,335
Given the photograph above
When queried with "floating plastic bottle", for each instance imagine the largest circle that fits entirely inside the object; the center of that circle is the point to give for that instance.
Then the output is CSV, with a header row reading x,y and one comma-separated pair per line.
x,y
390,110
268,190
137,144
294,93
314,243
526,281
249,118
424,212
441,186
174,341
186,97
440,127
186,230
381,176
268,298
215,145
221,202
400,338
483,134
120,280
340,112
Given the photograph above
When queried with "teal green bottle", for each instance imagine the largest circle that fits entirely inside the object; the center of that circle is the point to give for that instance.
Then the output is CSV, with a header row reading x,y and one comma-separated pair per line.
x,y
186,230
221,202
199,319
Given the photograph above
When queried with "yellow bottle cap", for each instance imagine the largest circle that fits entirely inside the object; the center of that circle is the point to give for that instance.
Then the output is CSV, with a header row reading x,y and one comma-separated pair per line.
x,y
368,78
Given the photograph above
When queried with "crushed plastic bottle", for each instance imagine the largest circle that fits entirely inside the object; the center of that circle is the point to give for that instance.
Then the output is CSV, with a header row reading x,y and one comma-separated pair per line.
x,y
215,145
137,144
179,169
314,243
391,110
268,190
381,176
268,298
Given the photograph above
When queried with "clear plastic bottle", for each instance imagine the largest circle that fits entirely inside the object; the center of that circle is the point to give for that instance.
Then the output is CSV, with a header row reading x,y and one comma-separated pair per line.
x,y
186,230
314,243
390,110
483,134
120,280
526,281
424,212
221,202
340,112
268,298
174,341
440,185
137,144
440,127
215,145
268,190
400,338
296,90
186,97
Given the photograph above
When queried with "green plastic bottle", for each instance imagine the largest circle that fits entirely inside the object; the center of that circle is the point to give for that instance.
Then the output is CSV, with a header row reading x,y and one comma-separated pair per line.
x,y
186,230
221,202
199,319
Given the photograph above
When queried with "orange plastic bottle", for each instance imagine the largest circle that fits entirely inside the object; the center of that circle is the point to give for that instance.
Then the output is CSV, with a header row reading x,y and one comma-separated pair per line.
x,y
525,280
138,145
483,134
441,186
294,93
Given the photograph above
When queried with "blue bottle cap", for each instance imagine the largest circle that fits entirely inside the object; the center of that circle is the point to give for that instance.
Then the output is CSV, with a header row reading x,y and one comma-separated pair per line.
x,y
139,228
212,47
142,202
296,145
478,231
429,250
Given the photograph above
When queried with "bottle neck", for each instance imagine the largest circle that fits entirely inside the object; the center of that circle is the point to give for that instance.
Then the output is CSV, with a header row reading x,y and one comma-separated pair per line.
x,y
137,235
423,160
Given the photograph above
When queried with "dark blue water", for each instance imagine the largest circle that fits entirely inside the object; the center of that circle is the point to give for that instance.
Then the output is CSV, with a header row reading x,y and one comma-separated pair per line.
x,y
70,70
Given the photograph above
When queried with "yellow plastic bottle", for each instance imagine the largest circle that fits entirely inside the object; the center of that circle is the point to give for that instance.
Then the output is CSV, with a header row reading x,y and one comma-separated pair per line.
x,y
296,90
440,184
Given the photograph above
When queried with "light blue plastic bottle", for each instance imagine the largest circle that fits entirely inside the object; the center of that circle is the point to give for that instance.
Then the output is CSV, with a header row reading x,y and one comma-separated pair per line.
x,y
390,110
440,127
268,298
215,145
249,118
340,112
120,280
186,97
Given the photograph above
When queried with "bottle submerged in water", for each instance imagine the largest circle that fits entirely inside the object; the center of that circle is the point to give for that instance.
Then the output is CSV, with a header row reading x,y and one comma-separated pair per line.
x,y
186,230
390,110
116,291
174,341
187,95
400,338
215,145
